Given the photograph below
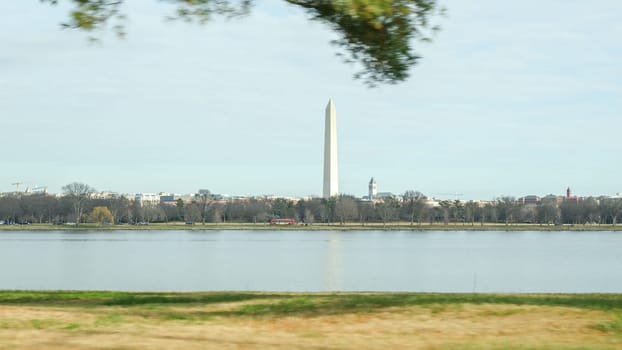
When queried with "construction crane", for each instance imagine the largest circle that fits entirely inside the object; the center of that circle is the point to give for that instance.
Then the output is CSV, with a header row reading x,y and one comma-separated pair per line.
x,y
16,184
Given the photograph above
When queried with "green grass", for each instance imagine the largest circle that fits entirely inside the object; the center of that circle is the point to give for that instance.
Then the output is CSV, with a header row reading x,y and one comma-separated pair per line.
x,y
101,298
353,302
303,304
614,326
72,326
501,313
110,319
43,324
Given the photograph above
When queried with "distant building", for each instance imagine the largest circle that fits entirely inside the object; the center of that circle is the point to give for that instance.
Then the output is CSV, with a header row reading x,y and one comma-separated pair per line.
x,y
570,197
551,199
168,199
481,203
433,203
39,190
147,199
104,195
373,189
530,200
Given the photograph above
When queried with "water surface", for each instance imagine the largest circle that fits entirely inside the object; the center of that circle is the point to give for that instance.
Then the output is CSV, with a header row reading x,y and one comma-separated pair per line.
x,y
438,261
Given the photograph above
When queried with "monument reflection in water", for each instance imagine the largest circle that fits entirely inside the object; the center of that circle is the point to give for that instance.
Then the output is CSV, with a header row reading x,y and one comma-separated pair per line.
x,y
333,269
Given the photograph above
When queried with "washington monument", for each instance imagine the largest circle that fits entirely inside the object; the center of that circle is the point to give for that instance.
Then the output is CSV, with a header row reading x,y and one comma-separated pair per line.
x,y
331,174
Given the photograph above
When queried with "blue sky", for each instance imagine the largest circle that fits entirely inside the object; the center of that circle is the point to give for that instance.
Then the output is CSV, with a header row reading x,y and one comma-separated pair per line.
x,y
511,98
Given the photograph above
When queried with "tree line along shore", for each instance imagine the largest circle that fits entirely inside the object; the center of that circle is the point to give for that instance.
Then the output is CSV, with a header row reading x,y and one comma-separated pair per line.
x,y
78,206
395,226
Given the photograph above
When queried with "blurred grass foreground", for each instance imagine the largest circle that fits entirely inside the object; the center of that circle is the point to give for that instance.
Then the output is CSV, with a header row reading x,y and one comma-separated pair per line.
x,y
120,320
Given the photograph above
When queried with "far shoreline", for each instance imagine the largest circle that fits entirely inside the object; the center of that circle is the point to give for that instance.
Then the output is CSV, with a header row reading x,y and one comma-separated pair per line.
x,y
401,226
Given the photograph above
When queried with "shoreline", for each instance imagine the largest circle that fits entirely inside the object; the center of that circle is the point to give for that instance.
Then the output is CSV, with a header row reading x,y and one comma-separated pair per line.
x,y
177,226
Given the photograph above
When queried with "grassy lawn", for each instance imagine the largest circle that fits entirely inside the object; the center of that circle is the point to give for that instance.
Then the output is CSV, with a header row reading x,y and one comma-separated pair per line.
x,y
119,320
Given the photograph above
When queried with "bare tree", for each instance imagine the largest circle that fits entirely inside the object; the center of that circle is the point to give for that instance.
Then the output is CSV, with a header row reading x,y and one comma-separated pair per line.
x,y
192,213
589,210
506,209
548,211
445,210
308,217
570,212
346,208
78,193
367,212
414,202
310,210
204,200
388,209
471,210
611,208
117,206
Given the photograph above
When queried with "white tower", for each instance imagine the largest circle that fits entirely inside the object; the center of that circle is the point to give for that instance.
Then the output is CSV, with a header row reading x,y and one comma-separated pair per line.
x,y
373,189
331,175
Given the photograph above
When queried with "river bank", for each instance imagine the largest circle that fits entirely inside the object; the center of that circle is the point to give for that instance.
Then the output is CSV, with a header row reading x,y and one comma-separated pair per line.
x,y
398,226
107,320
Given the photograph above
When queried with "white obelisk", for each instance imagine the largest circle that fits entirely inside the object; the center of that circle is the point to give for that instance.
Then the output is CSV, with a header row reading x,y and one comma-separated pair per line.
x,y
331,175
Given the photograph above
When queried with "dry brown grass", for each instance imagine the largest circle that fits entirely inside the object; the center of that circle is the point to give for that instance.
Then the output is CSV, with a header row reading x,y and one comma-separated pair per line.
x,y
453,326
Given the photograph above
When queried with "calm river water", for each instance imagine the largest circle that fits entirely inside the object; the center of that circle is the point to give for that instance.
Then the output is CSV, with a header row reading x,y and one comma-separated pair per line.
x,y
313,261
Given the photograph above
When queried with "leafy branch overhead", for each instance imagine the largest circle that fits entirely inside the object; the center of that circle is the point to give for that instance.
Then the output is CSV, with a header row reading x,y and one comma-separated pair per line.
x,y
378,35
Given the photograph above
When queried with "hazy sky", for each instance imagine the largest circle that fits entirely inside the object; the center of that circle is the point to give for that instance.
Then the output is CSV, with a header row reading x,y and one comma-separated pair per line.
x,y
511,98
